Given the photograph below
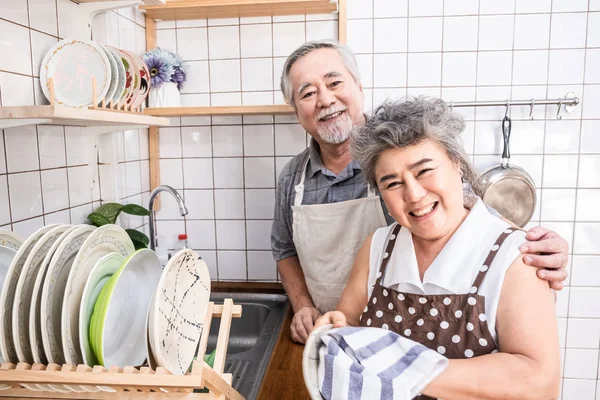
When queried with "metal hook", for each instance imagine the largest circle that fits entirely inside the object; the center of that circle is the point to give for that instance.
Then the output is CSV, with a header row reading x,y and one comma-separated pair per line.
x,y
507,108
560,101
531,109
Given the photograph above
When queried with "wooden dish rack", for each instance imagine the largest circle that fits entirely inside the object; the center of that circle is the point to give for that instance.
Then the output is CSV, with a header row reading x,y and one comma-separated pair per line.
x,y
131,382
103,105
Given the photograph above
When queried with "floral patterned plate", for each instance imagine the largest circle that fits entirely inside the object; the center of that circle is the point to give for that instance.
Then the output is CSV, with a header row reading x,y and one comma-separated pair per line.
x,y
72,63
144,79
132,79
122,78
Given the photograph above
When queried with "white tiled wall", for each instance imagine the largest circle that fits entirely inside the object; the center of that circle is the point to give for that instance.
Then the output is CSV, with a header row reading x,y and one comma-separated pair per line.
x,y
44,172
458,50
226,167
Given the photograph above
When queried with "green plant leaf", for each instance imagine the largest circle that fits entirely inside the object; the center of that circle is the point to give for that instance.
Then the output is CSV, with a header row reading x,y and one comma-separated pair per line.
x,y
137,236
138,245
110,211
98,219
134,209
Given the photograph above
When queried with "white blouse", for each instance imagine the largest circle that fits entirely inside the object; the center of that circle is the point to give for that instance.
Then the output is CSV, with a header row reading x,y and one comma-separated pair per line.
x,y
456,266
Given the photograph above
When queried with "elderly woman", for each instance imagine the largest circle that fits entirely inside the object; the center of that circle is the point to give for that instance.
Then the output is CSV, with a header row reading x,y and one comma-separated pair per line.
x,y
447,276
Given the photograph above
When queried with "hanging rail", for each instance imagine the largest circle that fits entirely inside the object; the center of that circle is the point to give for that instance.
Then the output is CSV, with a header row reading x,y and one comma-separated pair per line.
x,y
568,102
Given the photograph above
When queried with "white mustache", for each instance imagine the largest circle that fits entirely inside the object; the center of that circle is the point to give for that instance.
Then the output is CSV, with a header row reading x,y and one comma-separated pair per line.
x,y
331,110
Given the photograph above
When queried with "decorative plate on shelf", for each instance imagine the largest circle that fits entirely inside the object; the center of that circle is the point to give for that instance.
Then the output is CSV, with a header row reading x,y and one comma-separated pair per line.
x,y
144,79
72,63
132,74
7,295
24,292
104,240
177,316
114,74
53,289
121,76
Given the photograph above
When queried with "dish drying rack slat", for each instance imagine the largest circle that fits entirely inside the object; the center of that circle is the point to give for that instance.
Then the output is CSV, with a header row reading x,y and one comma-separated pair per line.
x,y
131,382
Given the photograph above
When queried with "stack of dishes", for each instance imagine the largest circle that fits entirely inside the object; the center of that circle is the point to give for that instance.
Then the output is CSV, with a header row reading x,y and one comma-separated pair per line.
x,y
122,77
77,294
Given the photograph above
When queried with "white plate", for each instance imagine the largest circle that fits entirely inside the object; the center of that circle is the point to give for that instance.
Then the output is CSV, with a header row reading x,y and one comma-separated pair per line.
x,y
124,328
35,326
10,239
7,295
122,78
24,292
104,240
9,245
114,75
53,289
181,300
72,63
106,267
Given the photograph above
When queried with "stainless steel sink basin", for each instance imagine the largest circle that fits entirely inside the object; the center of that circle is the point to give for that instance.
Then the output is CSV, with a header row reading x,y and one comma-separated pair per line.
x,y
252,337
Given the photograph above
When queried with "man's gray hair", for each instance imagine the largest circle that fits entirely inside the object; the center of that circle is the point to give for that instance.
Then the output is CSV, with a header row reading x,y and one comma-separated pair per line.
x,y
345,53
399,124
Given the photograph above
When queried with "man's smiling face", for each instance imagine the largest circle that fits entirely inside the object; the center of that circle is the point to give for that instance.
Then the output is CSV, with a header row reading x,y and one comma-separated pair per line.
x,y
327,98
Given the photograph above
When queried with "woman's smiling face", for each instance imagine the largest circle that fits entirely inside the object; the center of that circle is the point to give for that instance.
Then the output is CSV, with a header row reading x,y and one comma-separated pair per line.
x,y
422,189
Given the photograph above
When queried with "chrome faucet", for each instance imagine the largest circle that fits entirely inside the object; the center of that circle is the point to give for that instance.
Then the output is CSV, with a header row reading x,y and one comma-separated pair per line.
x,y
182,209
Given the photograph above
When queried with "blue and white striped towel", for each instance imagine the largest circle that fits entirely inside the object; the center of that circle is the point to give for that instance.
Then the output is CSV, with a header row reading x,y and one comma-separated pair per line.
x,y
367,363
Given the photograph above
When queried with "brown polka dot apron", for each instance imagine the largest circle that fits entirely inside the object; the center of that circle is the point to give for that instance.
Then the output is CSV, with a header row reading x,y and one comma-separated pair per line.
x,y
453,324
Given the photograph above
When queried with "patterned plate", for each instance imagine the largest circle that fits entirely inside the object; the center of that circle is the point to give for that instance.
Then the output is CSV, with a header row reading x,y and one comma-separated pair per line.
x,y
35,326
53,289
122,78
114,74
132,73
104,240
177,317
24,292
7,295
144,79
72,63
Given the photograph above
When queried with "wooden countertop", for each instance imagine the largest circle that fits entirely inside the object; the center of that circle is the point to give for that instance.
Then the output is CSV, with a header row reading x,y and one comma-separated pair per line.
x,y
283,379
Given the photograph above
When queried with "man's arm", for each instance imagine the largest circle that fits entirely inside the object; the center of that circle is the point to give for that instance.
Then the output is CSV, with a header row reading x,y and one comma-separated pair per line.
x,y
292,278
288,264
305,312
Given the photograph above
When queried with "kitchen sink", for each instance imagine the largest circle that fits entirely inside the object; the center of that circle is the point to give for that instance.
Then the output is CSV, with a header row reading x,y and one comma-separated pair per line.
x,y
251,338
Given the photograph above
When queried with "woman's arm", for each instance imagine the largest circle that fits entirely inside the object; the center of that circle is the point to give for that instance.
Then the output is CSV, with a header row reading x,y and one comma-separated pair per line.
x,y
354,297
528,365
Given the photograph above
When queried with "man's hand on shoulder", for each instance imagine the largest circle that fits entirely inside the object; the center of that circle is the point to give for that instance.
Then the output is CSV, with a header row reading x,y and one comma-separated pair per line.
x,y
549,252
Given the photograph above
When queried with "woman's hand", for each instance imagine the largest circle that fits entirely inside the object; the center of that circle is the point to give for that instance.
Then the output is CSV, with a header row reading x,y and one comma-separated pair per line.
x,y
549,252
335,318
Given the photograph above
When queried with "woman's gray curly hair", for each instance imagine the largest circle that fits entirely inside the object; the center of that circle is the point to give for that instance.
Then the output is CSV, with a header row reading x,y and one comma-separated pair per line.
x,y
402,123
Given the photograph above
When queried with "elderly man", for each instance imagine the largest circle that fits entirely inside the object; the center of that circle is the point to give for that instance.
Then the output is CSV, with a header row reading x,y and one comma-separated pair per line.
x,y
324,209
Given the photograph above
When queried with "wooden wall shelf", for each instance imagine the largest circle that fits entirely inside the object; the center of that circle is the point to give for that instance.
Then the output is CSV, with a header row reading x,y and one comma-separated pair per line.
x,y
149,2
196,9
219,110
61,115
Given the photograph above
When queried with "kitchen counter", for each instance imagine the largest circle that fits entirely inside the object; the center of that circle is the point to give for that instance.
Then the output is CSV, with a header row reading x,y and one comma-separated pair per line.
x,y
283,379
